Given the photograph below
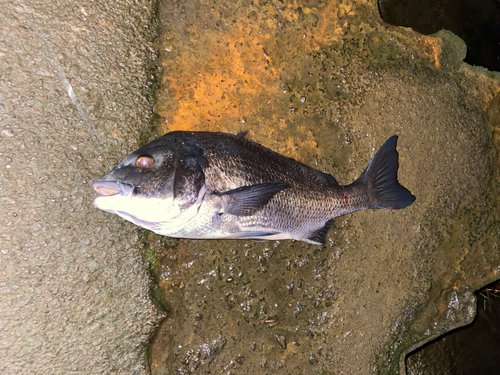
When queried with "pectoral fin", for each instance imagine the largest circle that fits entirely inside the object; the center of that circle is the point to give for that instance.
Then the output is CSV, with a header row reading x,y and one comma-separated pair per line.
x,y
246,200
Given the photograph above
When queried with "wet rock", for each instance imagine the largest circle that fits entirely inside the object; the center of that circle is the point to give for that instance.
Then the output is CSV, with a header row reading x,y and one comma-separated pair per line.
x,y
327,83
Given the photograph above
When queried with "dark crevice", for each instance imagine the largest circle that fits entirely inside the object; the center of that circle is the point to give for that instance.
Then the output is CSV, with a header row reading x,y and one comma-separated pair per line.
x,y
472,349
477,22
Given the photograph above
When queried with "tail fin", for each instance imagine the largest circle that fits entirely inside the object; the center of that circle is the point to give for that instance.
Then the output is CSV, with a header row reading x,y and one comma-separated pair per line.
x,y
381,180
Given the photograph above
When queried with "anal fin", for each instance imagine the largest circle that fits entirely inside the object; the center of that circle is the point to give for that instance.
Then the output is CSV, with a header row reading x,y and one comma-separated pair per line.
x,y
319,236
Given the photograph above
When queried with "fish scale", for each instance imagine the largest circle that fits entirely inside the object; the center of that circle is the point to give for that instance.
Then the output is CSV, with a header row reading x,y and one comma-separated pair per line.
x,y
310,203
207,185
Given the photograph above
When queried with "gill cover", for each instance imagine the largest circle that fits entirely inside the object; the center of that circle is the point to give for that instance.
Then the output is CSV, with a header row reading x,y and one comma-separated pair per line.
x,y
189,180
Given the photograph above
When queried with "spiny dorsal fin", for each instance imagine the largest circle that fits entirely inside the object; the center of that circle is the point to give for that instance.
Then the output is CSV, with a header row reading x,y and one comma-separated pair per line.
x,y
242,134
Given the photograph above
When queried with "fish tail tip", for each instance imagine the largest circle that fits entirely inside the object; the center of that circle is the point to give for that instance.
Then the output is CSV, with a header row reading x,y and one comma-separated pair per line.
x,y
381,177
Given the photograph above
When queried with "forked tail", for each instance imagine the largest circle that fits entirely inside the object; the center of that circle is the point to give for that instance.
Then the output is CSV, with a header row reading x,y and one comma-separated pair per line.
x,y
380,179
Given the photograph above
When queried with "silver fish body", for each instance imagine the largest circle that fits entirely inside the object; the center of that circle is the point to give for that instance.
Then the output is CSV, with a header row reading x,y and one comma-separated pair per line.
x,y
205,185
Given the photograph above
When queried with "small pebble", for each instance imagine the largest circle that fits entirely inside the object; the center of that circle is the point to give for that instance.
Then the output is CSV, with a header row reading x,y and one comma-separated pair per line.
x,y
7,133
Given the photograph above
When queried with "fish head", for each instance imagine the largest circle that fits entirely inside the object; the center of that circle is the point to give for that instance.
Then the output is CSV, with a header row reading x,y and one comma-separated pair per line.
x,y
158,187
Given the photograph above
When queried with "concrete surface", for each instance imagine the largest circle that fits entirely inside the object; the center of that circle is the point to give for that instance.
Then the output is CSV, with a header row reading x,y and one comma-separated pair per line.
x,y
73,291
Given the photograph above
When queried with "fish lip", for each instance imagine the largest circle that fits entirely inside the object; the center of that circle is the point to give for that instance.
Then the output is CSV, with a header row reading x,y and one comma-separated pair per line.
x,y
108,188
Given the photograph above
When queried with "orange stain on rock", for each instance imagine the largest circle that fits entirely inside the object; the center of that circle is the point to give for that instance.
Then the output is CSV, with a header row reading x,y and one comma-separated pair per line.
x,y
232,77
221,85
431,48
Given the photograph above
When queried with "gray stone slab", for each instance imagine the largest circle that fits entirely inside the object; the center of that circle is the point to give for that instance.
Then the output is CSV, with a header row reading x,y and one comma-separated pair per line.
x,y
73,291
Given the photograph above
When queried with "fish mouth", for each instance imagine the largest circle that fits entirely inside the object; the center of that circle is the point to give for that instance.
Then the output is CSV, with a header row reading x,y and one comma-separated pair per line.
x,y
109,188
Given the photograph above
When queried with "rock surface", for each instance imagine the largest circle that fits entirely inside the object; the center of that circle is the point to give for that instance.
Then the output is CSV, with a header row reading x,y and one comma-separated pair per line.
x,y
327,83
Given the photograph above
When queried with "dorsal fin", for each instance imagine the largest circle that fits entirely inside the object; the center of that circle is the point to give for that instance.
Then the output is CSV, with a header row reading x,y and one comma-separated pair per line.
x,y
330,179
242,134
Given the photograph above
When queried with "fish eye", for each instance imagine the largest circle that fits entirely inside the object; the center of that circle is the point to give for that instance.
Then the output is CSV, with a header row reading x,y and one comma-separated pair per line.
x,y
144,161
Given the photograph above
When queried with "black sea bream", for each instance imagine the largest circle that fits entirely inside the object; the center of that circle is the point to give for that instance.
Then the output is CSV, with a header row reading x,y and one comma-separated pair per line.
x,y
207,185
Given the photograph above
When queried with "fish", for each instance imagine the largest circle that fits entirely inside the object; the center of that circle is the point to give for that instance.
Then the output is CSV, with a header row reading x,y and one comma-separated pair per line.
x,y
212,185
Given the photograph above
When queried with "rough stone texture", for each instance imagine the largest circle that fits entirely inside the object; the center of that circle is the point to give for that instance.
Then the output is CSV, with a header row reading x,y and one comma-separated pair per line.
x,y
73,290
327,83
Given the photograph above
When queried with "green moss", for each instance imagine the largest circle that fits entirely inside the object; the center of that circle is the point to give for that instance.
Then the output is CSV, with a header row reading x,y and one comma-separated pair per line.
x,y
151,246
153,72
394,353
